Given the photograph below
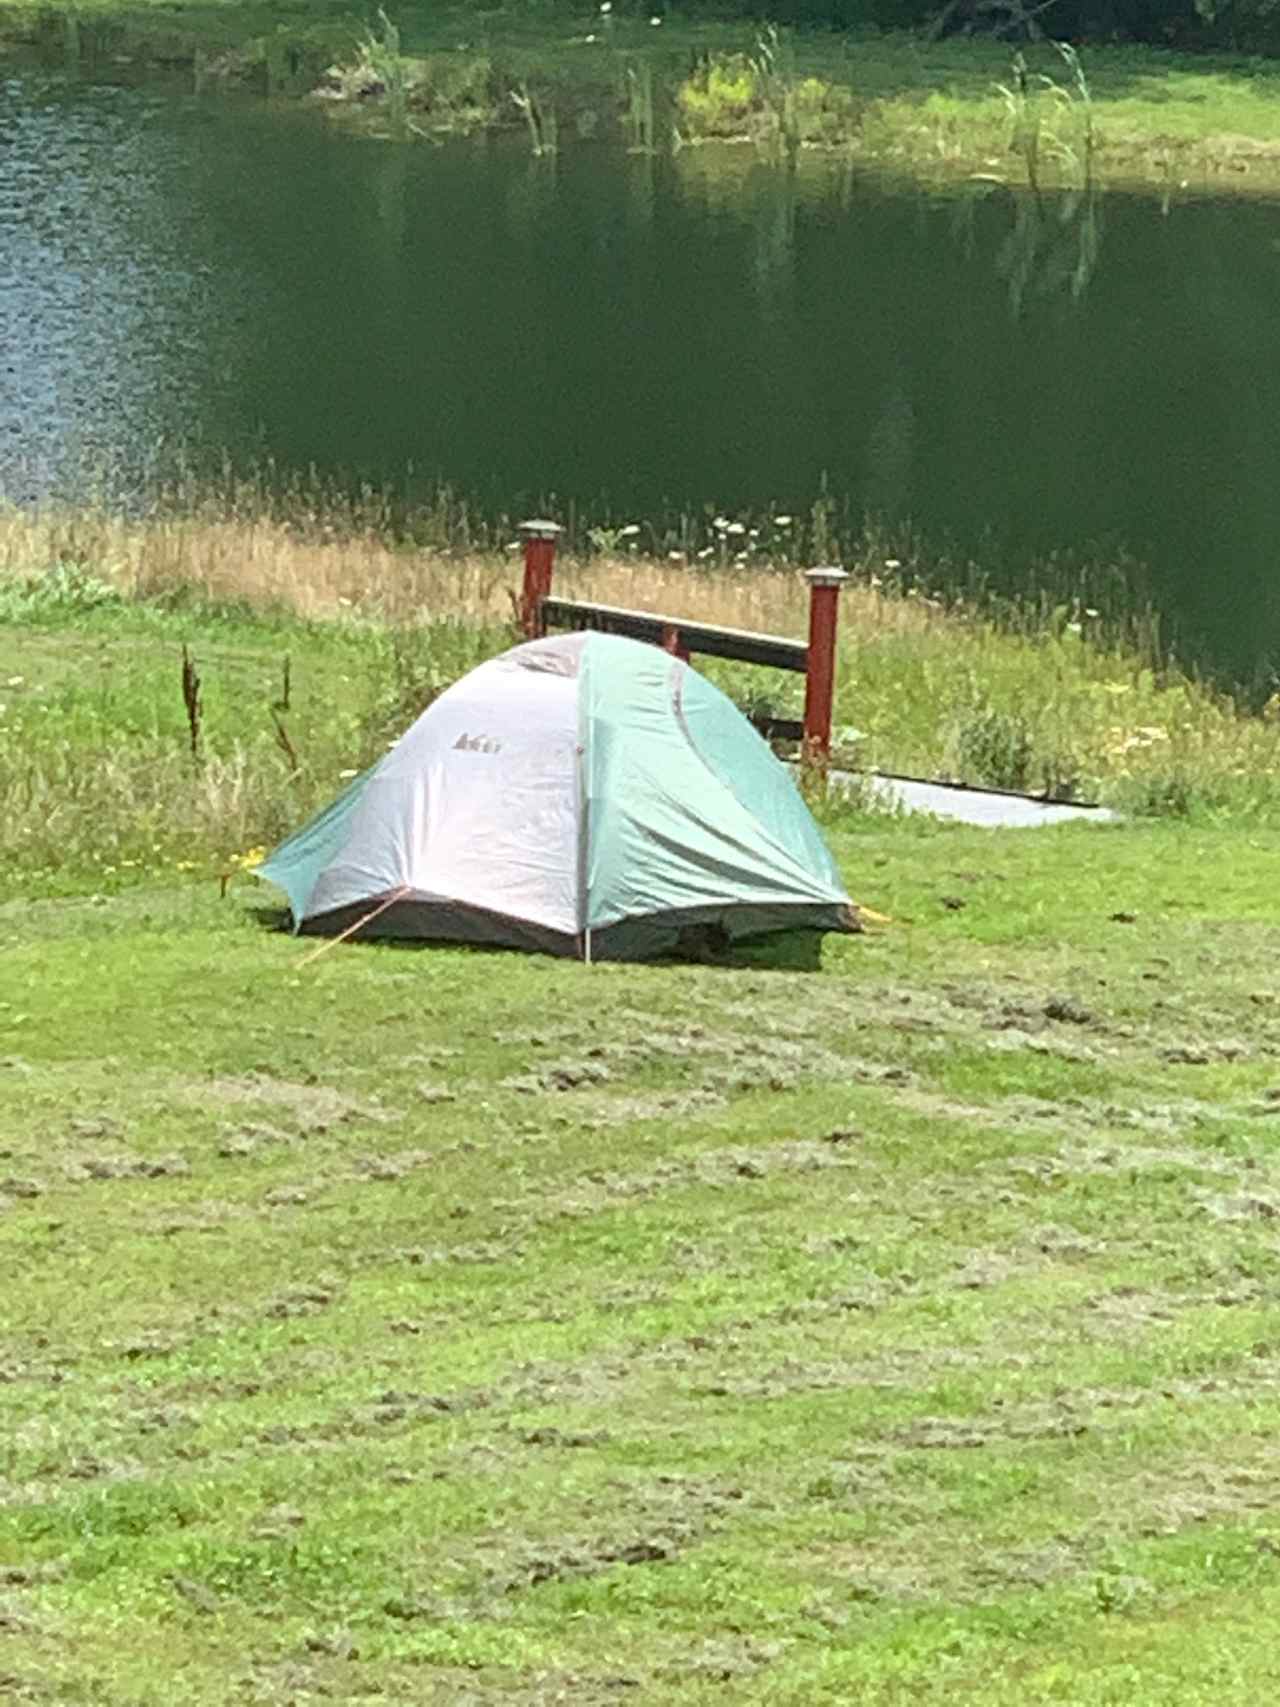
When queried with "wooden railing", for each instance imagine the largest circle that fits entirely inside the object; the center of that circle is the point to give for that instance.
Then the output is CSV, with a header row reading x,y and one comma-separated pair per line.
x,y
815,660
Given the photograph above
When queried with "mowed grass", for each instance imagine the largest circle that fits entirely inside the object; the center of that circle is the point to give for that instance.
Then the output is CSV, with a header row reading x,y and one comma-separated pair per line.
x,y
433,1325
428,1325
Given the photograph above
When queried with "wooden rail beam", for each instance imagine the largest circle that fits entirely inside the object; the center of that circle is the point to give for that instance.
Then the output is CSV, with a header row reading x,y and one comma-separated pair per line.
x,y
773,650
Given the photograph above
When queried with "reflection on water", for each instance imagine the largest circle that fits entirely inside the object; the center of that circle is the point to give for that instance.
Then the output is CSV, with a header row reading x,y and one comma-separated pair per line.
x,y
1052,242
640,333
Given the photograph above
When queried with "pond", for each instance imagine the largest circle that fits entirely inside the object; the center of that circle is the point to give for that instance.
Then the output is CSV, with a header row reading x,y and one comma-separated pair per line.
x,y
644,336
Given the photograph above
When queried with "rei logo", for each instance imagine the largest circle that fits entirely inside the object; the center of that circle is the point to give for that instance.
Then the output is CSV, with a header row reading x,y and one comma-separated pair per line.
x,y
477,744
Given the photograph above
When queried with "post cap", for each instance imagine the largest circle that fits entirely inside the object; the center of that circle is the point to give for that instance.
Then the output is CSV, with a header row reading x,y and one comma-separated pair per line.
x,y
541,530
829,576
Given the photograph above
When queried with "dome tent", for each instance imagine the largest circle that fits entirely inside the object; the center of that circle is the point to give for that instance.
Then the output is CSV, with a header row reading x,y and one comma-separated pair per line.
x,y
584,795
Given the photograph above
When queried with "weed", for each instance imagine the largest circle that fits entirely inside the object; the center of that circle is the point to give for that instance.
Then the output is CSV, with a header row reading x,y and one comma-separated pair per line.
x,y
66,590
638,118
996,748
541,121
191,700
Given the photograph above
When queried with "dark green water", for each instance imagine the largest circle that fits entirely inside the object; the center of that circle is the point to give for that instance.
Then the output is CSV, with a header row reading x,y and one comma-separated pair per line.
x,y
645,336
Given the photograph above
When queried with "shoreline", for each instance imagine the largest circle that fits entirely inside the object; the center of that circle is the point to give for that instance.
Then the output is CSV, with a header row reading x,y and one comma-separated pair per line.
x,y
948,114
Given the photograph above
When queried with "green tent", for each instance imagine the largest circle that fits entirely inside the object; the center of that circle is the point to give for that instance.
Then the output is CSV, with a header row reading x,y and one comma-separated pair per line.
x,y
584,795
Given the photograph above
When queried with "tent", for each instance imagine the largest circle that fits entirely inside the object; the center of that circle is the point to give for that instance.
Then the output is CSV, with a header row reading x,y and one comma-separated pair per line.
x,y
583,794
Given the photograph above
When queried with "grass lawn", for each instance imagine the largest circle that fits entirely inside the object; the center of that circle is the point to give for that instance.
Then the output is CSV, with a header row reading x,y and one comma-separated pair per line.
x,y
428,1325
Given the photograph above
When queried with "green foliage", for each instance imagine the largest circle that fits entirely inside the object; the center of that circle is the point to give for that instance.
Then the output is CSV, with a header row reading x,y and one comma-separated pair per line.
x,y
764,96
66,590
418,95
995,747
719,98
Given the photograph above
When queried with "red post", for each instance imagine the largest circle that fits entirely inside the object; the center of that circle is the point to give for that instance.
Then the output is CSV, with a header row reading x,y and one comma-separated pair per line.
x,y
671,642
539,565
820,675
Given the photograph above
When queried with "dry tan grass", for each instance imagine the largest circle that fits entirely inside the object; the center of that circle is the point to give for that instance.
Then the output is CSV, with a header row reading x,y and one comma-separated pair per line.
x,y
320,569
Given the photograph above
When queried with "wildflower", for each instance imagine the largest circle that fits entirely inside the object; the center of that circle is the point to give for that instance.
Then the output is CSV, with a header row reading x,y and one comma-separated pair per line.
x,y
675,557
736,527
346,776
1075,628
782,521
15,681
721,524
345,603
753,533
740,557
184,865
655,21
893,563
876,581
1089,611
630,529
606,6
705,552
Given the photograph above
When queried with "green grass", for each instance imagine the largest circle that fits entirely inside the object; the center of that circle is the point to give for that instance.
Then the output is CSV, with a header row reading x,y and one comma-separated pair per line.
x,y
902,1331
932,110
100,789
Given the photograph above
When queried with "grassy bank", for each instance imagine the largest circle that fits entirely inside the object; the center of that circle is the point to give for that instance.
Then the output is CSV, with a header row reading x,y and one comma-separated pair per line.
x,y
943,111
452,1327
317,638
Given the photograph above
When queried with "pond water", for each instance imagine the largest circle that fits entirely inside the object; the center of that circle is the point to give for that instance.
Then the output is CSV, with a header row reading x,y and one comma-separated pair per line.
x,y
643,336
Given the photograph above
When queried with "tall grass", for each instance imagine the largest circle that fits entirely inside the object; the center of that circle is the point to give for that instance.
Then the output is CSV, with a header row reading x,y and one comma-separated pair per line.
x,y
369,609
